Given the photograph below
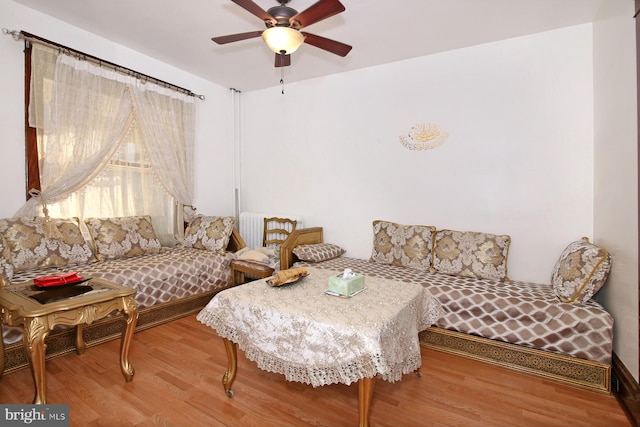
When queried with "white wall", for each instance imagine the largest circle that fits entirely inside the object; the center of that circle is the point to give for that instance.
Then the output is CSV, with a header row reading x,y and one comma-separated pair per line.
x,y
519,159
616,170
213,169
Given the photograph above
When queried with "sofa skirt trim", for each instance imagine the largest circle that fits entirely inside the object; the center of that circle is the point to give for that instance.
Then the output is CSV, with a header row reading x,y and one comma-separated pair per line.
x,y
564,369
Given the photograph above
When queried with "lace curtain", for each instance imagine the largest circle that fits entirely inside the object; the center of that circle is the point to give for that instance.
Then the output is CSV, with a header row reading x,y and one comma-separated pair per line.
x,y
98,132
168,121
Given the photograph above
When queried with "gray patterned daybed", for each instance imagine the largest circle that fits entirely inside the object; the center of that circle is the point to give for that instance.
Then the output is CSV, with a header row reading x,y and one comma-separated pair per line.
x,y
170,282
519,325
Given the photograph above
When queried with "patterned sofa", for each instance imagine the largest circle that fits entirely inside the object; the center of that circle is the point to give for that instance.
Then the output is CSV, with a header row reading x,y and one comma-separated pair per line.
x,y
170,282
552,330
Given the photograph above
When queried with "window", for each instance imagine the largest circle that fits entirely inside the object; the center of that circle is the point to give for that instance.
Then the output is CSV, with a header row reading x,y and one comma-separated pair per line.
x,y
127,186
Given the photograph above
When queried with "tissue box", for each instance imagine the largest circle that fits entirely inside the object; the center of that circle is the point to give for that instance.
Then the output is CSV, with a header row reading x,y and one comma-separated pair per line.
x,y
346,286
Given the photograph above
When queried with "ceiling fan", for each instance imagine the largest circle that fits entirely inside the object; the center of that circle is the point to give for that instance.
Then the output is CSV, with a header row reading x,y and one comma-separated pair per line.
x,y
283,34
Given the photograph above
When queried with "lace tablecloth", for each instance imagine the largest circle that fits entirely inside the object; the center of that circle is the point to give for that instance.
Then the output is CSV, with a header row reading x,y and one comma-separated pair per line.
x,y
299,331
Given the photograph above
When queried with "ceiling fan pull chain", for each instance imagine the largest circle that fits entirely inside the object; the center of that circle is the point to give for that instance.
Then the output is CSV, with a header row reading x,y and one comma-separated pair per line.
x,y
282,73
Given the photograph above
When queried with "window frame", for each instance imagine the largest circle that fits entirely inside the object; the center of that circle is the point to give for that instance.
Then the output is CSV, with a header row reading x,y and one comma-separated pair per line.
x,y
32,164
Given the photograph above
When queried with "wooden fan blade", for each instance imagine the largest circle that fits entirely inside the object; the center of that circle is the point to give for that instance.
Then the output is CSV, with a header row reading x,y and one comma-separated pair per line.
x,y
316,12
329,45
236,37
253,8
283,60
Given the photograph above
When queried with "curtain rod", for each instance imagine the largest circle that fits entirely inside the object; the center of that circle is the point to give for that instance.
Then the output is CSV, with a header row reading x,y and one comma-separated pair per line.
x,y
28,37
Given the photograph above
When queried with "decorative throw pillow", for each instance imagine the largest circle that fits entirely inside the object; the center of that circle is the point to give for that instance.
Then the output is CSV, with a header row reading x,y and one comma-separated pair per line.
x,y
580,272
123,237
252,255
471,254
6,263
318,252
402,245
209,232
30,248
268,251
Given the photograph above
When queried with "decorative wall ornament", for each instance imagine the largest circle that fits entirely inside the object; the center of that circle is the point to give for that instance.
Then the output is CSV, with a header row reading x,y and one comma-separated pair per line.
x,y
424,137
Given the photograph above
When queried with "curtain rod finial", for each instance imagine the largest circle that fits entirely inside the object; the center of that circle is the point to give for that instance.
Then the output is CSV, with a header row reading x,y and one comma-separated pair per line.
x,y
14,33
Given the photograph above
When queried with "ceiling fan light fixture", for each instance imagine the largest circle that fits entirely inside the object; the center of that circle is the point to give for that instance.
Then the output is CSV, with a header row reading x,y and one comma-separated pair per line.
x,y
281,39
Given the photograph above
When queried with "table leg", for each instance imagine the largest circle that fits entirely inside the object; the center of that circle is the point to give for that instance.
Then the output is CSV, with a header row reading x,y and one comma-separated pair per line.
x,y
365,395
80,345
131,316
35,332
232,367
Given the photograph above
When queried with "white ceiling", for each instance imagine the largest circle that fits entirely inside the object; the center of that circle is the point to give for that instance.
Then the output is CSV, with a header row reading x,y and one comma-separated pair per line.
x,y
179,32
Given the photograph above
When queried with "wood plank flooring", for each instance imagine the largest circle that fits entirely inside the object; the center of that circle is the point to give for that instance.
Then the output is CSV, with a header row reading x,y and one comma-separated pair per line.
x,y
179,367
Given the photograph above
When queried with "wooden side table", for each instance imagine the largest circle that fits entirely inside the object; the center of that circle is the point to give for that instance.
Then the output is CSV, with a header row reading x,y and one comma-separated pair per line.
x,y
19,306
242,268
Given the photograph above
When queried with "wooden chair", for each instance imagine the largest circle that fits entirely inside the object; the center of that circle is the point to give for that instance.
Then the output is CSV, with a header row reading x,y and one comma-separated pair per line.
x,y
274,234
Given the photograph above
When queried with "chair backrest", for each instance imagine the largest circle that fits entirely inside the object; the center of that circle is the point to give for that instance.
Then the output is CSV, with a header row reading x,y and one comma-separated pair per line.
x,y
276,230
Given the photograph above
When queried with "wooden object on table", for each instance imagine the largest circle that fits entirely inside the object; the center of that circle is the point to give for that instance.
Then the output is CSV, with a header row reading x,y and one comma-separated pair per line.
x,y
272,236
20,305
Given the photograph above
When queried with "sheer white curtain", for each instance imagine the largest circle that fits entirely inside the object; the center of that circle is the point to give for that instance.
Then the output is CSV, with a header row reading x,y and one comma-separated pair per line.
x,y
108,144
79,130
166,121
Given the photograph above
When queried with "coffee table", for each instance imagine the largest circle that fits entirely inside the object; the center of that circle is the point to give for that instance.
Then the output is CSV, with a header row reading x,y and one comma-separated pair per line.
x,y
311,337
19,305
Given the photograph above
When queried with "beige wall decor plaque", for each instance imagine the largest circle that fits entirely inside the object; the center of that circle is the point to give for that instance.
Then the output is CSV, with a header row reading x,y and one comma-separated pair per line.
x,y
424,137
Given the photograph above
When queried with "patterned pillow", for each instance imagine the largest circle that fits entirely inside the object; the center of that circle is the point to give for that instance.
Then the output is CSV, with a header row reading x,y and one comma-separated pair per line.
x,y
318,252
580,272
123,237
28,248
402,245
209,232
6,263
471,254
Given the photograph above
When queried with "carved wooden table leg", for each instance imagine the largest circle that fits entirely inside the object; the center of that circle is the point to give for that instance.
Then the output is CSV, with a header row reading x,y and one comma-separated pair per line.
x,y
131,314
35,332
232,367
17,308
80,345
365,395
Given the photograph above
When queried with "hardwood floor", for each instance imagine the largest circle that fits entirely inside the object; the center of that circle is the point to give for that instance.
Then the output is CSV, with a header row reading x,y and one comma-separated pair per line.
x,y
179,367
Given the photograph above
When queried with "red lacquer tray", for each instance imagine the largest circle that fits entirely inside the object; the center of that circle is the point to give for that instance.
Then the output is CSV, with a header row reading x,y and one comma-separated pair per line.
x,y
62,279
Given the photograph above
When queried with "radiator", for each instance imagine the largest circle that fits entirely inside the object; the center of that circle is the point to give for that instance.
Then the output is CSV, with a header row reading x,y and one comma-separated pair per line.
x,y
251,226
